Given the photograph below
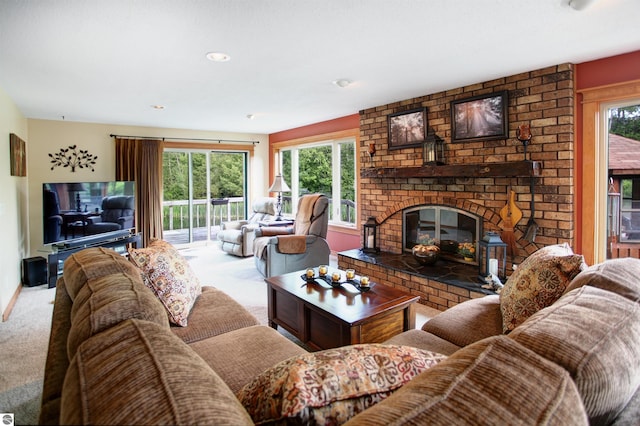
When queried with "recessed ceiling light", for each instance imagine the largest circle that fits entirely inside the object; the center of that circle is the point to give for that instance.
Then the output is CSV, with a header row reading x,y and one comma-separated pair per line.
x,y
343,82
218,57
251,116
581,4
157,106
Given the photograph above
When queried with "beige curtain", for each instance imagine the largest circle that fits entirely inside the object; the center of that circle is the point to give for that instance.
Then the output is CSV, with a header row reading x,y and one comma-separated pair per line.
x,y
141,160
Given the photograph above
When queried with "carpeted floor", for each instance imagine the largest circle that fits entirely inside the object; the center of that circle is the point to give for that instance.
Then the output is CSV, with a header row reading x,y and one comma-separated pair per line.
x,y
25,336
23,345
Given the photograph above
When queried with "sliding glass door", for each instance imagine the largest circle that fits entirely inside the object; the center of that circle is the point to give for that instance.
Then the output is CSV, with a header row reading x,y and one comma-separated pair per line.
x,y
202,189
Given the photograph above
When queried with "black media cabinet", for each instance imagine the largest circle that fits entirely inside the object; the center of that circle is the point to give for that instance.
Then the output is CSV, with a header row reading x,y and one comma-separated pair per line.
x,y
116,243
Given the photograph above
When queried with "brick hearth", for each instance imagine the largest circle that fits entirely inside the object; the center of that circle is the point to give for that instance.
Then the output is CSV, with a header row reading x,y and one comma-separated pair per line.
x,y
440,286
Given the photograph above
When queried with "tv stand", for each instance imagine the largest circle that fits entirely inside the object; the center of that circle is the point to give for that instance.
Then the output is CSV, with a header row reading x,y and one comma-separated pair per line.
x,y
120,240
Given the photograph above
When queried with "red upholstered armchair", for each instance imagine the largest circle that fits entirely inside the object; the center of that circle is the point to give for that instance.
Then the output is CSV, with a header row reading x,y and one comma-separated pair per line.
x,y
281,250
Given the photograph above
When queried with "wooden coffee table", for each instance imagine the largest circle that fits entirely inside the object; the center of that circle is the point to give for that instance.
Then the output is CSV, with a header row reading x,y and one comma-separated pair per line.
x,y
324,317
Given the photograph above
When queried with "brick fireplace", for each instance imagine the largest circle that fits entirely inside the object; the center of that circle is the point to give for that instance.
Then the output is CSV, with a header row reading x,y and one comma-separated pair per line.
x,y
543,99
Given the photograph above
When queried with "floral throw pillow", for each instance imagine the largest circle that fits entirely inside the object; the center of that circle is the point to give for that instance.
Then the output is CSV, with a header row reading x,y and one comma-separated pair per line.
x,y
331,386
537,283
168,274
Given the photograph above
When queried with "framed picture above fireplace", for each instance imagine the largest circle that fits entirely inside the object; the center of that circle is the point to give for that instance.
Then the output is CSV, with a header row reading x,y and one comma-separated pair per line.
x,y
407,128
482,117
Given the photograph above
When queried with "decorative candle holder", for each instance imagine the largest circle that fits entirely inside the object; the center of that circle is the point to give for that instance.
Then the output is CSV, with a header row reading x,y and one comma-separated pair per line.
x,y
322,270
372,152
351,274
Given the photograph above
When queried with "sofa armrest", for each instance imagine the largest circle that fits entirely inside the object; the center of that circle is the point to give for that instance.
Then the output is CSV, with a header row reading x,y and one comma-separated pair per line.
x,y
272,231
468,321
125,222
249,228
233,224
92,220
57,361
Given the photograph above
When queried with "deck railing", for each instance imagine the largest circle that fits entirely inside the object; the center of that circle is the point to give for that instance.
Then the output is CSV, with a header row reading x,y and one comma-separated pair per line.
x,y
176,213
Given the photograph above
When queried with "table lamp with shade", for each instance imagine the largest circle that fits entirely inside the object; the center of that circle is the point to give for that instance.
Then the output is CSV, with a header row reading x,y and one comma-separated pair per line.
x,y
279,186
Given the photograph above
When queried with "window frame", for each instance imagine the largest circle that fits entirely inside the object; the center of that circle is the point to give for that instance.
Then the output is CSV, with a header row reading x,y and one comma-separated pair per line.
x,y
334,139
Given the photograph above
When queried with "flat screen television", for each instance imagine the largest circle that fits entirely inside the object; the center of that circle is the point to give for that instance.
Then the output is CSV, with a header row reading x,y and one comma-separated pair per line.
x,y
81,211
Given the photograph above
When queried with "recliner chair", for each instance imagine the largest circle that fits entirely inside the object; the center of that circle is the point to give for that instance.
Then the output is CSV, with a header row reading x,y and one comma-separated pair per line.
x,y
278,251
117,214
236,236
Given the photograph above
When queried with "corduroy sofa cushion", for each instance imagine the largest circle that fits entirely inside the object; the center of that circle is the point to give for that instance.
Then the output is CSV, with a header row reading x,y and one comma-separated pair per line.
x,y
213,313
105,301
423,340
594,335
493,381
621,276
160,381
93,263
468,322
240,355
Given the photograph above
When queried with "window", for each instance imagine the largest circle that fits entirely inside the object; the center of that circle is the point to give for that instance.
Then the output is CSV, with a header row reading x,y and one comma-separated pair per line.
x,y
326,167
630,210
592,176
623,164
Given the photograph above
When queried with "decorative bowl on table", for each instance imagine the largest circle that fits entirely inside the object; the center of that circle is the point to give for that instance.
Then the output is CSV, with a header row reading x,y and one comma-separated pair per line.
x,y
426,254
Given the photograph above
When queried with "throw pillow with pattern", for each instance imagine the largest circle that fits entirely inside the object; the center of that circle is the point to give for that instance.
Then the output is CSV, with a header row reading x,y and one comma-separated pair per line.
x,y
166,272
331,386
537,283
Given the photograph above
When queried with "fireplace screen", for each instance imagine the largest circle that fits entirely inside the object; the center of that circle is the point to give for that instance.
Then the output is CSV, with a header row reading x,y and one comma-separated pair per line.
x,y
446,225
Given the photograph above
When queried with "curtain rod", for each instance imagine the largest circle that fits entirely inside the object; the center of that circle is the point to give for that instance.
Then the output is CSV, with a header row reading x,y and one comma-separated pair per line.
x,y
184,139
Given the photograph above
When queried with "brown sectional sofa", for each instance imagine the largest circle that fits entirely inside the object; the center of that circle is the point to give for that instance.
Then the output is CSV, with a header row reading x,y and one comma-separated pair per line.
x,y
592,332
114,359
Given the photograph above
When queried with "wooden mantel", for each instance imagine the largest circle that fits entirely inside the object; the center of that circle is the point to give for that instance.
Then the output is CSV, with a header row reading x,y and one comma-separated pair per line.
x,y
508,169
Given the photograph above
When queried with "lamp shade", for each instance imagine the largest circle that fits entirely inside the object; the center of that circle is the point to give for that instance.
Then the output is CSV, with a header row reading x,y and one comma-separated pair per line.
x,y
279,185
75,187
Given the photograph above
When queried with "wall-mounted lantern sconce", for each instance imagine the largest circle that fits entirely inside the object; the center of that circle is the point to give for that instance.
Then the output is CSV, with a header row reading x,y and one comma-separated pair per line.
x,y
433,150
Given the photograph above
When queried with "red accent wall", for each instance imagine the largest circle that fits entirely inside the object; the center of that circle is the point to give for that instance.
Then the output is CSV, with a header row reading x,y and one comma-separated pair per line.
x,y
338,241
614,69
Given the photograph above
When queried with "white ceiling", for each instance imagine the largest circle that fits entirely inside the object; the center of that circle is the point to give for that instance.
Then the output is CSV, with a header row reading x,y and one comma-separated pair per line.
x,y
109,61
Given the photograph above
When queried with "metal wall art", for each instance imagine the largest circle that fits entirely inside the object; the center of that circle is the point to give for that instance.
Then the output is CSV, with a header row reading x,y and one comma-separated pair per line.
x,y
73,157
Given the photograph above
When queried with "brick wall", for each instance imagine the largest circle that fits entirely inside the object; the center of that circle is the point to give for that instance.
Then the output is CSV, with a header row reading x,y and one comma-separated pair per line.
x,y
543,99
